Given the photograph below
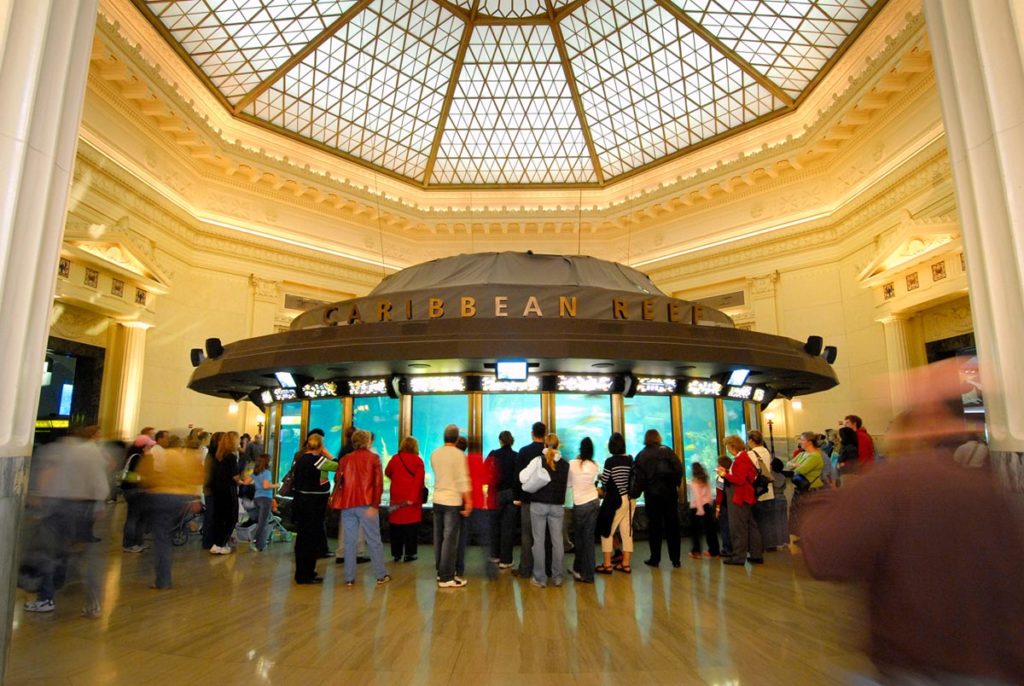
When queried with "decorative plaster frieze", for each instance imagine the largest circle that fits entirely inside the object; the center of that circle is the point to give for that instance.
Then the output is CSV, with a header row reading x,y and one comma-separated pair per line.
x,y
265,289
101,176
892,197
761,286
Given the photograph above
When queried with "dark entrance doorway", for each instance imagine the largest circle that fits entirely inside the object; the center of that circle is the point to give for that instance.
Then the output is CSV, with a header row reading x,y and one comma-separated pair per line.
x,y
70,394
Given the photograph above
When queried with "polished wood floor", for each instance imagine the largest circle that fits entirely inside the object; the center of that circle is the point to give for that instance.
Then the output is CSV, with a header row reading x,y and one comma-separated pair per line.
x,y
238,619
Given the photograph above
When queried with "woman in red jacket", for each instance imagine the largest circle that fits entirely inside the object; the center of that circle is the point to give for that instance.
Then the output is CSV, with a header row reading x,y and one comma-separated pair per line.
x,y
743,531
407,477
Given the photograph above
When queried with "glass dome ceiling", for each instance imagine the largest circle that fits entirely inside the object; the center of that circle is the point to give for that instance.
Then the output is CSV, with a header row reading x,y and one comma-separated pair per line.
x,y
448,93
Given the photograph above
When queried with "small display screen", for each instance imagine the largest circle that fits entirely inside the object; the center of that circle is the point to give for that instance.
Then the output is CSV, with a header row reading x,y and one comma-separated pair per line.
x,y
738,377
512,370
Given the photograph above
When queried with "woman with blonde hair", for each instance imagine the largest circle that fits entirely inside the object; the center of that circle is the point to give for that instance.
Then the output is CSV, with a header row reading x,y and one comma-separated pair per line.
x,y
222,484
547,513
310,486
407,474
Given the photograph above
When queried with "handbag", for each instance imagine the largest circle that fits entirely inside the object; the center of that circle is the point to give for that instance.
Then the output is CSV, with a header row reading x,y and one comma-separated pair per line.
x,y
762,482
534,477
287,489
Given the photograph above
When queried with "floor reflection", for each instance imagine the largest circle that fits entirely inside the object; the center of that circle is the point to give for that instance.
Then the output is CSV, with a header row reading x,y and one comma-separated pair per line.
x,y
240,619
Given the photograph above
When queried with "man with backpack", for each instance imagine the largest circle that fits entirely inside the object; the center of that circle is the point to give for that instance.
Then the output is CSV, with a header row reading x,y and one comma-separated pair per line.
x,y
657,474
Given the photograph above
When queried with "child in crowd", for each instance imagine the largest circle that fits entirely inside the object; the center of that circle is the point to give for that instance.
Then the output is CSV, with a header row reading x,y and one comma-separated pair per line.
x,y
702,512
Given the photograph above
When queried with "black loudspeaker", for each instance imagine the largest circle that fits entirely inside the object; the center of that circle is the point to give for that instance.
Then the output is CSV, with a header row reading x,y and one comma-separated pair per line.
x,y
632,384
812,347
197,357
395,386
256,398
830,353
214,349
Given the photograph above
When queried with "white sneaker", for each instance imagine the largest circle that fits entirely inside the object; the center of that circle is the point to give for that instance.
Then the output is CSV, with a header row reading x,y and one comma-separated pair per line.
x,y
217,550
92,611
456,582
134,549
39,606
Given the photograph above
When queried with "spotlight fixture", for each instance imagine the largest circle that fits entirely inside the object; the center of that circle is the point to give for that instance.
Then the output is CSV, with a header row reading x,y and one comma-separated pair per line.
x,y
813,346
830,353
214,349
197,357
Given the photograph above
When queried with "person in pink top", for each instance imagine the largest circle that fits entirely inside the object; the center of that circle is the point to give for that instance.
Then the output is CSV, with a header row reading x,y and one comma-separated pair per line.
x,y
702,512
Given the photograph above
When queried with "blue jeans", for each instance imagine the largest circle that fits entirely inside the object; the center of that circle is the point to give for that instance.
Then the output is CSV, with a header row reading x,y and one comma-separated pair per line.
x,y
354,518
447,529
135,517
480,523
263,506
544,516
584,519
67,528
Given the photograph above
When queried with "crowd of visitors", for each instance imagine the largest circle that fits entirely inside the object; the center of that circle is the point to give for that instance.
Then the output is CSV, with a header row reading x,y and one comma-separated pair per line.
x,y
494,500
747,507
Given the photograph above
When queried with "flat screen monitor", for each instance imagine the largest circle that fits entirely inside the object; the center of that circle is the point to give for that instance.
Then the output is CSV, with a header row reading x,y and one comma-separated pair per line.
x,y
738,377
512,370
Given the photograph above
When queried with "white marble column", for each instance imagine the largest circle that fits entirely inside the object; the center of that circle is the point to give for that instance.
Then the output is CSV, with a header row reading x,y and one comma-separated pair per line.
x,y
976,48
978,51
897,353
122,380
44,59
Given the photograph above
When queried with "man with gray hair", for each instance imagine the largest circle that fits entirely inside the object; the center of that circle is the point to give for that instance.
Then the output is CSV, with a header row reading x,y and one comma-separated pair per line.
x,y
452,502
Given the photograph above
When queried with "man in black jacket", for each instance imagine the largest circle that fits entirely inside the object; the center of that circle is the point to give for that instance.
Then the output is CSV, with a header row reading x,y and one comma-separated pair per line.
x,y
659,472
526,455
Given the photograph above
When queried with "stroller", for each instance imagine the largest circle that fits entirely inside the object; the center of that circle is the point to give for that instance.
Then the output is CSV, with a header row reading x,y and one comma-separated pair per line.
x,y
190,522
248,515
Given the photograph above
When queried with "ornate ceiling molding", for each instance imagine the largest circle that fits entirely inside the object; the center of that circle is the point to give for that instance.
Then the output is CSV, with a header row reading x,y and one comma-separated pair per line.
x,y
120,189
167,92
933,164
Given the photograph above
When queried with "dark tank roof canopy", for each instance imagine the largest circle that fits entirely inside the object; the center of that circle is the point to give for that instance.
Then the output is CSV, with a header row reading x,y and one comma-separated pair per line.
x,y
518,269
501,285
564,314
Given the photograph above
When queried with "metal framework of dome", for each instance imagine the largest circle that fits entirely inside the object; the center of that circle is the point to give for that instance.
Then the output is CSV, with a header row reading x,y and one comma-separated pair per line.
x,y
450,93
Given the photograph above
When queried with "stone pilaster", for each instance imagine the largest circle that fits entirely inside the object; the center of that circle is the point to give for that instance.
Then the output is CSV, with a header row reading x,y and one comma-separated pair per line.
x,y
897,354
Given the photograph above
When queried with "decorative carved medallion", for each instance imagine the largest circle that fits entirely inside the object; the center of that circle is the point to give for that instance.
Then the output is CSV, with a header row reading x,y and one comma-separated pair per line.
x,y
938,271
912,282
92,278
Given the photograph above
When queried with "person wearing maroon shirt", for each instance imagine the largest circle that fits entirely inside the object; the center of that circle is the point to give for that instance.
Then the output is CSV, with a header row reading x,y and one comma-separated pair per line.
x,y
407,476
865,446
743,531
938,548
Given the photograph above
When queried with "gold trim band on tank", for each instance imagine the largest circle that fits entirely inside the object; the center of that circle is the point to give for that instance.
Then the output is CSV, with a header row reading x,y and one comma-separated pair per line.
x,y
468,307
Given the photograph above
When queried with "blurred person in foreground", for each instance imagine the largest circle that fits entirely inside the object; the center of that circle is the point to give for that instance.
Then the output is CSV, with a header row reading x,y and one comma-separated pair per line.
x,y
71,482
938,546
173,484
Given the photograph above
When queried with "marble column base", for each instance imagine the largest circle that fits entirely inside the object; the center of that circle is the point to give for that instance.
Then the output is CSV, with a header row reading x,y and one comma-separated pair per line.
x,y
13,484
